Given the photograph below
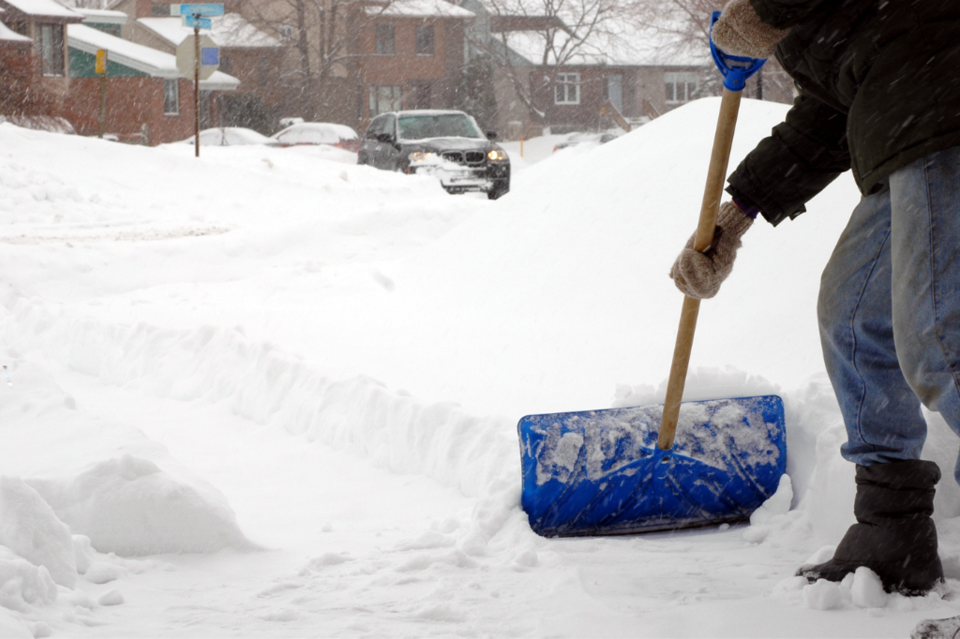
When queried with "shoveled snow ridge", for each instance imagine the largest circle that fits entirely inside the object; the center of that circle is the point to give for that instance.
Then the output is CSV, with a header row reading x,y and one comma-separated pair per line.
x,y
269,386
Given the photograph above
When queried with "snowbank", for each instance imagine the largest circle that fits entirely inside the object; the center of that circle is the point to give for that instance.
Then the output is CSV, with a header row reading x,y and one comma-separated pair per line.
x,y
129,506
29,527
268,386
23,583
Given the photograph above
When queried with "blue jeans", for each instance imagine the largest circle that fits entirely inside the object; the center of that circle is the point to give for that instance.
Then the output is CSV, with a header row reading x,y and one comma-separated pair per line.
x,y
889,312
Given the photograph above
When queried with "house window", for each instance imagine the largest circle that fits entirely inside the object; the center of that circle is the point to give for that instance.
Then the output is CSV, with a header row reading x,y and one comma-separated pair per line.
x,y
385,40
159,9
171,97
384,98
50,48
681,87
425,39
567,88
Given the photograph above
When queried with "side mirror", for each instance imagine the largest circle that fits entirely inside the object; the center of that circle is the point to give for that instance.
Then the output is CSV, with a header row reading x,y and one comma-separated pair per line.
x,y
492,135
386,138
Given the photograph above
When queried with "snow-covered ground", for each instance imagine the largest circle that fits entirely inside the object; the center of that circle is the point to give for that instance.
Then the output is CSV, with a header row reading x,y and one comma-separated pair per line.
x,y
270,392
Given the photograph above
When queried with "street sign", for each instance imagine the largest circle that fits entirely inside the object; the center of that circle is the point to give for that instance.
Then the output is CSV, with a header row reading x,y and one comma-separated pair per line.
x,y
197,9
195,22
186,57
101,65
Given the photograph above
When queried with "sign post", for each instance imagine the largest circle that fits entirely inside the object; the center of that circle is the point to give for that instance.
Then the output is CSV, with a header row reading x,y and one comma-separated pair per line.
x,y
101,68
202,58
196,89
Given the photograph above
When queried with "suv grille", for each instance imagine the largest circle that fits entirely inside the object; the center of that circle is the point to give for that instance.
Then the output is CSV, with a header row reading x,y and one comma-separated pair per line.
x,y
470,158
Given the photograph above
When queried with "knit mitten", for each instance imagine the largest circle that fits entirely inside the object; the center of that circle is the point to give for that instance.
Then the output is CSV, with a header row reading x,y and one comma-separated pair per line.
x,y
740,31
700,275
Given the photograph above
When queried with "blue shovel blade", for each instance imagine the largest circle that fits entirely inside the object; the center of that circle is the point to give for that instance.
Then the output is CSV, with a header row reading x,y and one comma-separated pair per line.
x,y
601,473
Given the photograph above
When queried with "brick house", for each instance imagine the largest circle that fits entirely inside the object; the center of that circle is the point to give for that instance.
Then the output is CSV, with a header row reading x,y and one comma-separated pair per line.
x,y
636,74
349,59
408,56
45,23
147,100
255,57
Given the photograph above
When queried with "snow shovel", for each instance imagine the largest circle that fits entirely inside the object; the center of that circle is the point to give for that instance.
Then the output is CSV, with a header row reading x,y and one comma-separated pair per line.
x,y
631,470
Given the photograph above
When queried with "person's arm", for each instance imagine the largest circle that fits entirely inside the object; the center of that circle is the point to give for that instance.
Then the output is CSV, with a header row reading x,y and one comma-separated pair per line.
x,y
783,14
805,153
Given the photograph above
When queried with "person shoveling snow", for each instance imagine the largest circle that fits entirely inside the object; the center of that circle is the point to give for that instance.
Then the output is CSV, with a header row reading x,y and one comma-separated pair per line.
x,y
877,95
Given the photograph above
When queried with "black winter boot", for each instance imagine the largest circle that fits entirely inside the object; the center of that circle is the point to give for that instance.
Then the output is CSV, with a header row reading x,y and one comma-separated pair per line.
x,y
895,536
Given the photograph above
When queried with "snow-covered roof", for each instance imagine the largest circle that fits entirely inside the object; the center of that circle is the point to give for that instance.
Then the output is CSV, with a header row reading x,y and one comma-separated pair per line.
x,y
420,9
141,58
230,30
44,8
629,47
9,35
103,16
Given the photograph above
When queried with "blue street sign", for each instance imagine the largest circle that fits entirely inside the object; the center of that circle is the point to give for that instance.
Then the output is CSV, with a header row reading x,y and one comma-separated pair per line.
x,y
193,21
198,9
210,56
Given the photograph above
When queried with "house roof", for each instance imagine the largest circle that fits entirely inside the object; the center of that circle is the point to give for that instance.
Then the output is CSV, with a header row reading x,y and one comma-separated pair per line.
x,y
43,9
102,16
136,56
8,35
230,30
420,9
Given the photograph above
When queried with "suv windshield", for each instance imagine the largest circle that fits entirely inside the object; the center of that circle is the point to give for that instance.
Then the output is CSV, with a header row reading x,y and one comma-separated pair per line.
x,y
447,125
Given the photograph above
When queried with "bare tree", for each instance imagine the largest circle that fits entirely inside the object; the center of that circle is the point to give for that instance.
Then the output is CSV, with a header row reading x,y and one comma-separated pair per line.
x,y
686,23
321,32
554,34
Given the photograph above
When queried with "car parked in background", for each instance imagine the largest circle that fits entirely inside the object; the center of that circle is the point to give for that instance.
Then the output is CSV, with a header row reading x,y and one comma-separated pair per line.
x,y
577,139
338,135
446,144
231,136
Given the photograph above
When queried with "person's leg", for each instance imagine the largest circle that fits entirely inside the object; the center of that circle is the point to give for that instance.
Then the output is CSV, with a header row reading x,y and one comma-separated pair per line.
x,y
880,411
925,256
894,534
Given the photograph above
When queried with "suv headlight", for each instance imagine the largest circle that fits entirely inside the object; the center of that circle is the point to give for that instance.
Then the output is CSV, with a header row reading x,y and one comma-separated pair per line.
x,y
496,155
420,157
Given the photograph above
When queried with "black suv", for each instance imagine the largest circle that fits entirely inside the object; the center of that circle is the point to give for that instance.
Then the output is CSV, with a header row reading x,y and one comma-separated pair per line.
x,y
445,144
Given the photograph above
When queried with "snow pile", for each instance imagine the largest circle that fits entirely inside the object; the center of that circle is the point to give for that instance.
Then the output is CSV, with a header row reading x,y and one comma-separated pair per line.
x,y
23,583
702,383
29,527
859,589
774,513
270,386
130,507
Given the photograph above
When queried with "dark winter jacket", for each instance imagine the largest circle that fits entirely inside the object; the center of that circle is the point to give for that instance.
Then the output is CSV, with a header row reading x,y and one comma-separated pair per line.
x,y
879,85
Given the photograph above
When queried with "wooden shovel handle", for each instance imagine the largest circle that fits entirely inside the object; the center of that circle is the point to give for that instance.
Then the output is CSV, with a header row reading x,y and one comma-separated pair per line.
x,y
712,193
